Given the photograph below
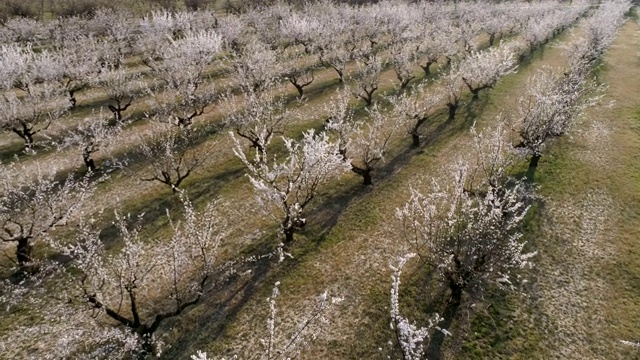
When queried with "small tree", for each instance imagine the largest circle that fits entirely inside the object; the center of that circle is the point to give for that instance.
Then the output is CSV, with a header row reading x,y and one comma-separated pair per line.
x,y
414,108
118,28
402,59
483,69
431,48
33,99
258,118
182,68
171,158
452,89
286,187
341,120
92,135
549,108
300,74
301,28
337,55
79,64
469,237
367,77
30,210
368,143
255,67
33,112
121,87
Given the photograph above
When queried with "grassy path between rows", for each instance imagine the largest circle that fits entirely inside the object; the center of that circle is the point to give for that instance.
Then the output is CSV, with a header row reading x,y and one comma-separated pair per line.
x,y
587,287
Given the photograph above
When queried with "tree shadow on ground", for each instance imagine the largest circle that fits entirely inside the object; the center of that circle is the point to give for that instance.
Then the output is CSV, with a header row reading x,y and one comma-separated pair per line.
x,y
221,306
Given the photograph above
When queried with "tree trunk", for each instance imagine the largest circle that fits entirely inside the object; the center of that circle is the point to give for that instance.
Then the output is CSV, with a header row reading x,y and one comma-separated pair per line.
x,y
116,112
25,134
533,165
415,132
416,139
365,173
88,161
456,294
28,140
452,111
288,235
475,93
24,252
521,57
427,68
340,74
343,153
366,178
118,109
298,87
369,98
405,82
90,164
72,99
492,38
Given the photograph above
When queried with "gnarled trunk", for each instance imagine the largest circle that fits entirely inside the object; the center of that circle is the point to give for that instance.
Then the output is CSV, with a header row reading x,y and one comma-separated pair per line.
x,y
427,68
404,82
453,107
24,252
119,108
366,178
456,293
88,161
340,74
368,97
365,173
415,139
299,88
287,229
26,134
415,132
72,99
